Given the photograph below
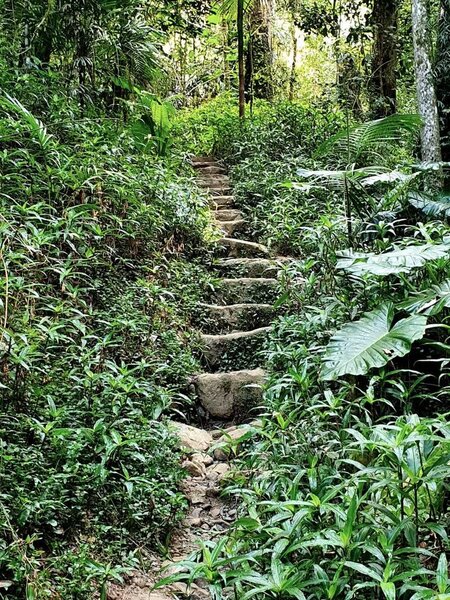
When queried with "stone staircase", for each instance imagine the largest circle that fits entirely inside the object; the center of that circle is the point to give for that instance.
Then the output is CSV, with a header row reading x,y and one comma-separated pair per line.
x,y
236,323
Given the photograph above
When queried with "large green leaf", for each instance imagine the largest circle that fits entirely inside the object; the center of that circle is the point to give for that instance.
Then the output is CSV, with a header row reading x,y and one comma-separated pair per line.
x,y
399,260
431,301
370,342
431,205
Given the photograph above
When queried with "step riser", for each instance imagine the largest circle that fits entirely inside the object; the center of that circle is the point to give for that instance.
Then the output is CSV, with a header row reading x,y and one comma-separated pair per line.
x,y
230,228
228,395
252,268
220,202
225,319
209,169
239,248
257,291
228,215
233,352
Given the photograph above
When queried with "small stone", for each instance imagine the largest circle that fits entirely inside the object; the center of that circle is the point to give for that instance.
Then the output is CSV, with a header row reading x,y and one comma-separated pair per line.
x,y
141,582
219,454
194,468
205,459
218,471
195,522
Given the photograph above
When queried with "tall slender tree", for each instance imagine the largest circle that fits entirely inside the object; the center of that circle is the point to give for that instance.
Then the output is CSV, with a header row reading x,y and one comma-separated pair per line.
x,y
240,30
259,76
442,71
426,94
383,79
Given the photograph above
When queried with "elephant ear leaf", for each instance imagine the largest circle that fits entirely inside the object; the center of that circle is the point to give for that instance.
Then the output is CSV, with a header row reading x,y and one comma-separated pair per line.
x,y
370,342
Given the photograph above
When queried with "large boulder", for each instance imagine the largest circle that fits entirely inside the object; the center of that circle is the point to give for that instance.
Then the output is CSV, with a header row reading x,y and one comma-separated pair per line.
x,y
224,395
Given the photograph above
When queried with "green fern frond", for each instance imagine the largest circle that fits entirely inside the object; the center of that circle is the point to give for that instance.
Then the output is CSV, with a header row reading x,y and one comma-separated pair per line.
x,y
352,143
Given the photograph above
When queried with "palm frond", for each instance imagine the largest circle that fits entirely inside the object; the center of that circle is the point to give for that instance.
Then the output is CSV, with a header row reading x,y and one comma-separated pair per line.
x,y
352,143
37,129
228,8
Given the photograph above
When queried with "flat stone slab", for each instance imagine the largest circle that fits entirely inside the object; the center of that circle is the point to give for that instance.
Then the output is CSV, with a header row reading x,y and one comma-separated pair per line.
x,y
236,317
230,228
221,201
225,394
258,290
239,348
241,248
228,214
251,267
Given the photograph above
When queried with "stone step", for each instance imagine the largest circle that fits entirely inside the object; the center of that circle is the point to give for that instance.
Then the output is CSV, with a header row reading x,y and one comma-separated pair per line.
x,y
197,160
241,248
221,201
233,351
247,290
210,169
216,188
251,267
228,214
230,395
217,318
232,227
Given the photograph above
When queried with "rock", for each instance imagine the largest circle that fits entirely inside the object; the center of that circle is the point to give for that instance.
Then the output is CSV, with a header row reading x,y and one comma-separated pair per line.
x,y
251,267
217,472
242,290
220,454
192,437
204,459
228,214
221,393
238,344
221,201
239,248
194,468
230,228
243,316
234,434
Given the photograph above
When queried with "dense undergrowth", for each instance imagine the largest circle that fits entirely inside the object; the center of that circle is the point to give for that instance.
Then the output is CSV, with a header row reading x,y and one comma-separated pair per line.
x,y
344,484
101,244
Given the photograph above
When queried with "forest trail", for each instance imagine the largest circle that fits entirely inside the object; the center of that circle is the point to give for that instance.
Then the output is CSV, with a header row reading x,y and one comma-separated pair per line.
x,y
233,331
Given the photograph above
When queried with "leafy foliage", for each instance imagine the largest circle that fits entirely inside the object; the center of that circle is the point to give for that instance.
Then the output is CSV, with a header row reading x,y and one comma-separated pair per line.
x,y
371,342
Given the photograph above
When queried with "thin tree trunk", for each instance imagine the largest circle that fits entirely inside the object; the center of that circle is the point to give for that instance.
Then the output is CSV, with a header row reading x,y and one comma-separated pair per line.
x,y
240,29
442,71
426,94
261,47
293,77
226,65
383,79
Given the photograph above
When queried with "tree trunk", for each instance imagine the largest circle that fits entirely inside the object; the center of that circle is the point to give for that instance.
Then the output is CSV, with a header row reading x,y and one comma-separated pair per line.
x,y
261,47
426,94
383,79
293,76
240,30
442,71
